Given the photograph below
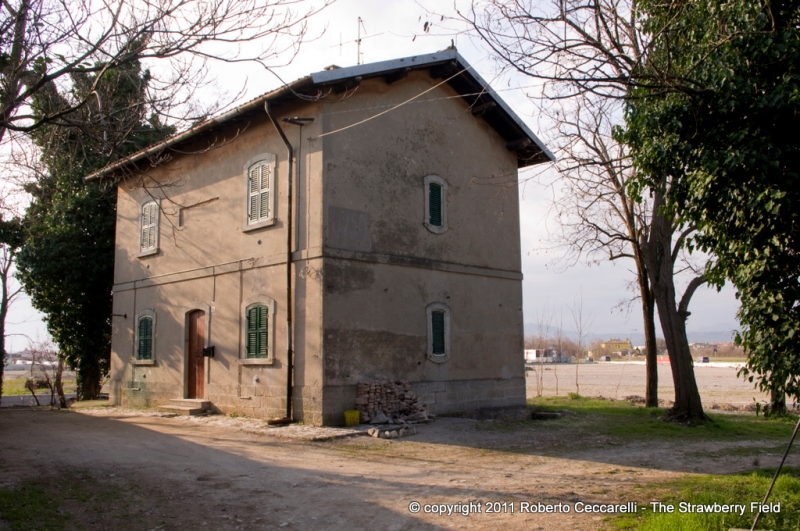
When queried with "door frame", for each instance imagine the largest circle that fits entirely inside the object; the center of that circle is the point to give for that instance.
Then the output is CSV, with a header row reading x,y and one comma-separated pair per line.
x,y
197,305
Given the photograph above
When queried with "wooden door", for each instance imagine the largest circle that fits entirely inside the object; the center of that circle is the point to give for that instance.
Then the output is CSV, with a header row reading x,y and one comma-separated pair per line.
x,y
196,362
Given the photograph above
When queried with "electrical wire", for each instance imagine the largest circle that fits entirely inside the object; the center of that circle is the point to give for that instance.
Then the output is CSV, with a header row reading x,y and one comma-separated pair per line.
x,y
376,107
396,106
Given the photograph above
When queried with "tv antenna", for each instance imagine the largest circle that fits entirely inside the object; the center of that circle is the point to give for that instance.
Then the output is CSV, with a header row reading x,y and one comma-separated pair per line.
x,y
360,26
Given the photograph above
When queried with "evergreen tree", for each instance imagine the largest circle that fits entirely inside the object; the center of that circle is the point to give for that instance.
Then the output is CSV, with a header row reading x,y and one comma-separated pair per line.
x,y
66,264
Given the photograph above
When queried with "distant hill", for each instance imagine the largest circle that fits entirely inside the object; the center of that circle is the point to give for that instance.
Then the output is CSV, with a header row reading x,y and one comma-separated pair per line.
x,y
709,334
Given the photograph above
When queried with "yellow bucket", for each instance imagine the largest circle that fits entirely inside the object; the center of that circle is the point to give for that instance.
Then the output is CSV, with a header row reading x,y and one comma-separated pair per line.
x,y
352,417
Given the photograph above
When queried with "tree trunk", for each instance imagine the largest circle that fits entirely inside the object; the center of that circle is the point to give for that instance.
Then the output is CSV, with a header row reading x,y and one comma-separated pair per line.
x,y
649,320
59,384
777,401
2,353
649,311
90,378
659,261
3,314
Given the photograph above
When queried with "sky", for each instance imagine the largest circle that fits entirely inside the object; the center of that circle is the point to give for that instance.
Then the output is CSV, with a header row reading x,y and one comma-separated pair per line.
x,y
395,29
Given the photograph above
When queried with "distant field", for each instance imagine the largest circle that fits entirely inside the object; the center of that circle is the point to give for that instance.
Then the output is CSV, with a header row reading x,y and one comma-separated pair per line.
x,y
618,380
14,383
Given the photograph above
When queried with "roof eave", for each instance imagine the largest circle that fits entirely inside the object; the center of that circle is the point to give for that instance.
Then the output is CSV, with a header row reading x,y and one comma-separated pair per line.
x,y
527,154
250,106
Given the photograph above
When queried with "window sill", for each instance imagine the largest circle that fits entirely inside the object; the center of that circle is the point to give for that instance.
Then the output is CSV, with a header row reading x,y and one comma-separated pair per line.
x,y
256,361
260,225
438,358
150,252
436,229
144,362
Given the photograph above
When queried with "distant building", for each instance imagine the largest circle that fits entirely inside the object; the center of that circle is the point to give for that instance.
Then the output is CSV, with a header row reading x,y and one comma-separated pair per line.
x,y
618,346
540,354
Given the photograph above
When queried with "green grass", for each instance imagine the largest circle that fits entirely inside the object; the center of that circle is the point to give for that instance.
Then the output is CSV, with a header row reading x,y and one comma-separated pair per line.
x,y
29,507
734,489
56,502
15,386
625,421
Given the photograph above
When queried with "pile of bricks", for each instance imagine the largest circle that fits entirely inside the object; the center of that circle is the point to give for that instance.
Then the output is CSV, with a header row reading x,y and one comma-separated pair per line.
x,y
382,401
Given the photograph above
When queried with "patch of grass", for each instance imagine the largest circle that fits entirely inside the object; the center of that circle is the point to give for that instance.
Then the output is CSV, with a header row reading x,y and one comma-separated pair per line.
x,y
15,386
735,489
55,503
29,507
623,420
742,452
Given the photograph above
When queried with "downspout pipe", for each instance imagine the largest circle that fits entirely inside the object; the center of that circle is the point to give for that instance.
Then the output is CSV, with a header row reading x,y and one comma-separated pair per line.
x,y
289,330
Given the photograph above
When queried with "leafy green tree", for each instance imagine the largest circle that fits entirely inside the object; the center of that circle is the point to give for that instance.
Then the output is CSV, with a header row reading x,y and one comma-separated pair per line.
x,y
721,126
66,264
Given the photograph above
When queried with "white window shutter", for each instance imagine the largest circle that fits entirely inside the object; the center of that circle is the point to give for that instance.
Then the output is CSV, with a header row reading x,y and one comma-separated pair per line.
x,y
149,224
258,207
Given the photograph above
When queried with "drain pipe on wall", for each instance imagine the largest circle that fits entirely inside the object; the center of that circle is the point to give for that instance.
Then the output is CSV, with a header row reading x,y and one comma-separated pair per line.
x,y
289,329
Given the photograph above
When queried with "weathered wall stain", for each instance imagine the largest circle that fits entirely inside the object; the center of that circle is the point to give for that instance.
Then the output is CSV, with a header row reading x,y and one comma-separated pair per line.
x,y
343,277
356,355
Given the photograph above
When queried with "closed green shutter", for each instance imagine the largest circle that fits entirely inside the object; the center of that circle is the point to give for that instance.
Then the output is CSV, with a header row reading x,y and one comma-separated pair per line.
x,y
257,337
437,331
145,347
435,204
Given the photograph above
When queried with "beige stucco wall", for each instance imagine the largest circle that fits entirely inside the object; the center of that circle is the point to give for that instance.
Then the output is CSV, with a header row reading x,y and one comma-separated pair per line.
x,y
206,261
365,268
378,287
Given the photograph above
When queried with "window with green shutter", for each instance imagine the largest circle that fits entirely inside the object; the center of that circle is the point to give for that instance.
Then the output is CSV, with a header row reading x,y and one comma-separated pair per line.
x,y
435,204
258,186
437,332
257,331
438,315
145,339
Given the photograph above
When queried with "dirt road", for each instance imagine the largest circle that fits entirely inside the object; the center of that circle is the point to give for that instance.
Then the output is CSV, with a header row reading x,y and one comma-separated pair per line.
x,y
137,470
132,471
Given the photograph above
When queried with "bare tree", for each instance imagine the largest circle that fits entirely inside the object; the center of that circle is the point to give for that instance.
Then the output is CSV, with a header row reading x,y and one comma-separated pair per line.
x,y
582,54
46,43
559,340
10,241
583,324
47,370
544,323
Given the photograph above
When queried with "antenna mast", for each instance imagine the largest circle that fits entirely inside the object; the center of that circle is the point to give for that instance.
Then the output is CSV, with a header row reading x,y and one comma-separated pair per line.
x,y
358,41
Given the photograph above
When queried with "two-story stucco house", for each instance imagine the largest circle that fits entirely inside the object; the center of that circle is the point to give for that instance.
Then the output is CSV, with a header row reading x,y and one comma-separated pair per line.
x,y
358,223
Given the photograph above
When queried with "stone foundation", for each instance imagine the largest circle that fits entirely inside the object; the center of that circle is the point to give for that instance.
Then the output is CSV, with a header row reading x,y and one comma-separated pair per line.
x,y
442,398
257,401
326,406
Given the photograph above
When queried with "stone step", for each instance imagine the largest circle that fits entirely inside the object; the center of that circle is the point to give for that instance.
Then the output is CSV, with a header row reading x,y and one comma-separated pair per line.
x,y
187,406
190,402
182,410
